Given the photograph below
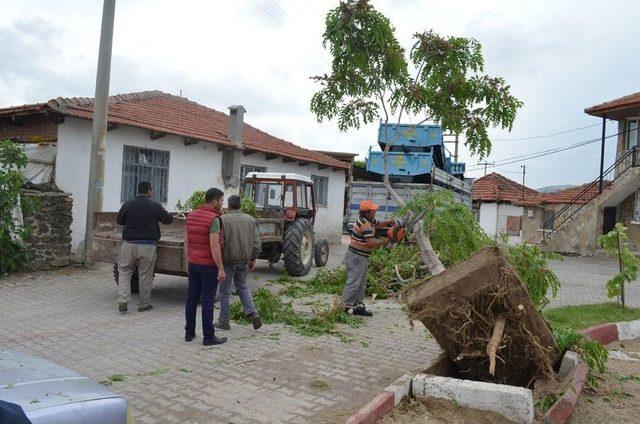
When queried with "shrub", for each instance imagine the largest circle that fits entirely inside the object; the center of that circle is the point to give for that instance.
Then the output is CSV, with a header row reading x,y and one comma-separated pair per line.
x,y
12,237
248,206
616,246
196,199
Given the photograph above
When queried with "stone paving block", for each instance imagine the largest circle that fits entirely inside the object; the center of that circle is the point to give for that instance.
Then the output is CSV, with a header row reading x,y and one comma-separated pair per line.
x,y
71,318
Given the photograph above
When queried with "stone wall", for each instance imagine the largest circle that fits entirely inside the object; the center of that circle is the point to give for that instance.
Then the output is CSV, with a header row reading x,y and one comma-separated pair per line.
x,y
50,224
625,217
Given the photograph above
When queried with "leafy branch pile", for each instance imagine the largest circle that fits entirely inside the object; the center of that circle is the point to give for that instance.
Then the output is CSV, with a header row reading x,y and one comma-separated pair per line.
x,y
455,234
13,238
273,309
247,206
531,265
326,281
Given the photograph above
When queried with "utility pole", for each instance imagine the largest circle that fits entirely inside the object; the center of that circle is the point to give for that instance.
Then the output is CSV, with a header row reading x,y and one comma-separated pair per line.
x,y
604,131
485,166
99,130
524,171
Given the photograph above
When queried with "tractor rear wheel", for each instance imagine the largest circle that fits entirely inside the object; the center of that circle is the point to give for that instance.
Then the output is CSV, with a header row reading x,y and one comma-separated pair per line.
x,y
135,284
298,247
321,253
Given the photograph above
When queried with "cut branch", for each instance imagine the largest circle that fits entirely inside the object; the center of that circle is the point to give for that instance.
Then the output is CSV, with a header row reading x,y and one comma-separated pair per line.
x,y
494,343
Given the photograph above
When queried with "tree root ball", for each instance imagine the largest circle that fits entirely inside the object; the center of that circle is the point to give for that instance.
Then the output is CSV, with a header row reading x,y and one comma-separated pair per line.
x,y
461,307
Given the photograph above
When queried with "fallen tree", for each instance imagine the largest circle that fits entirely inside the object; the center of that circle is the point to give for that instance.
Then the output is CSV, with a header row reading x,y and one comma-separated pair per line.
x,y
482,316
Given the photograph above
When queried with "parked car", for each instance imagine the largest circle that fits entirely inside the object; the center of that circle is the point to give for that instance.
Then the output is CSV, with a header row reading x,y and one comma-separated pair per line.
x,y
51,394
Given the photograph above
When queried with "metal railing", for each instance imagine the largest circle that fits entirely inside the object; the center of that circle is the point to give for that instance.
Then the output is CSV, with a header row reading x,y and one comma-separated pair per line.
x,y
628,160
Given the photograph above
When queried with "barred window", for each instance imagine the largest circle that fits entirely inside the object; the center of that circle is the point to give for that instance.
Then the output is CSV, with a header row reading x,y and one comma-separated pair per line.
x,y
139,164
245,169
322,189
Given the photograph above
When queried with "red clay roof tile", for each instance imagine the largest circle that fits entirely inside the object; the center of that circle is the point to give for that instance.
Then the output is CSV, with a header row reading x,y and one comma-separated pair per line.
x,y
166,113
498,188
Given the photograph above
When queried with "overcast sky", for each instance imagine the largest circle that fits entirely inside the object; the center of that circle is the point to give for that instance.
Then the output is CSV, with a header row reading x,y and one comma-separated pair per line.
x,y
558,56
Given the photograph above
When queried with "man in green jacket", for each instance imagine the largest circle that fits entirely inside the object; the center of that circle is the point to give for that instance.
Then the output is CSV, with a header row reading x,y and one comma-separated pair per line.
x,y
241,248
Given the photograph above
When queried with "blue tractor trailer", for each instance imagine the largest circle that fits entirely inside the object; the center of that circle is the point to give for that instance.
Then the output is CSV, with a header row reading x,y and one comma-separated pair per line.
x,y
413,156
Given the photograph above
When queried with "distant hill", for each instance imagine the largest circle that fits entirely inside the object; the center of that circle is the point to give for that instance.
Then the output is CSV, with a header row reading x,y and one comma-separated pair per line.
x,y
554,188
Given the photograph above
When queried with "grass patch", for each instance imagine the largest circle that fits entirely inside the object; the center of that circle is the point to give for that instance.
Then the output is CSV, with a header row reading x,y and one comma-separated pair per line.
x,y
273,309
582,316
117,377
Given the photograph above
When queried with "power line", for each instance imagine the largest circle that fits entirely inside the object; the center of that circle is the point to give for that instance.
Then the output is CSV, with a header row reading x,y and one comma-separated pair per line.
x,y
279,22
546,135
528,156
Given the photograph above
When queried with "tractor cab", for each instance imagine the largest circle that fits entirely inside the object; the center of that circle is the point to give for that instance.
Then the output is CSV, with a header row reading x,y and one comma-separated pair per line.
x,y
287,195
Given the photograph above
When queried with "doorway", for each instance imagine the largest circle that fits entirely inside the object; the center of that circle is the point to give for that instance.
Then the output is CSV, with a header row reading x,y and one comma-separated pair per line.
x,y
609,221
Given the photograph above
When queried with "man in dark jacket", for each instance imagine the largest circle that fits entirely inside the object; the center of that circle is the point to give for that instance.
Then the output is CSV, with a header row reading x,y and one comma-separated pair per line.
x,y
241,248
141,217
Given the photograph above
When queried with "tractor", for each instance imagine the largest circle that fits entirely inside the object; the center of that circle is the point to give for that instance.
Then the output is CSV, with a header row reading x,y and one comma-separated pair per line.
x,y
286,209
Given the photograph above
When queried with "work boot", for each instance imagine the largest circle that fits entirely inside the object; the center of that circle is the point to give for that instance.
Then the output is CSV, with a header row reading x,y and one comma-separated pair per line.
x,y
188,338
255,320
361,310
122,307
222,325
214,341
145,308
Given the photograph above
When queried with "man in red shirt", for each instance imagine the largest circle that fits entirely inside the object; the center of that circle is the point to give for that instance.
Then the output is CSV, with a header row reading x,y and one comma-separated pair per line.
x,y
203,244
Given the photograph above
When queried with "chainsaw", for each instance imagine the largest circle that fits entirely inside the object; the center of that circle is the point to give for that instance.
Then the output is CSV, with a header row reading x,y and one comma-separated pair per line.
x,y
398,230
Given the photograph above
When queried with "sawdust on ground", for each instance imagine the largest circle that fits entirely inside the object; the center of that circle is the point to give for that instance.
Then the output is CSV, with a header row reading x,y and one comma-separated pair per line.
x,y
431,411
617,397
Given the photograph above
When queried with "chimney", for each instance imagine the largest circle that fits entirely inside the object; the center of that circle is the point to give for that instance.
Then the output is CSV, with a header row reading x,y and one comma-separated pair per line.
x,y
230,156
236,123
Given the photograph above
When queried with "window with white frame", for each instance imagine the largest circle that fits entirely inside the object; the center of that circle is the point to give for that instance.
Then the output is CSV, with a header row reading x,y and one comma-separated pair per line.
x,y
631,134
246,169
139,164
322,189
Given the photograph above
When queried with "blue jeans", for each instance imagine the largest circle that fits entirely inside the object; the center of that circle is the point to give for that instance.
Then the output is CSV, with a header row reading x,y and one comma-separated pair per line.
x,y
203,283
236,273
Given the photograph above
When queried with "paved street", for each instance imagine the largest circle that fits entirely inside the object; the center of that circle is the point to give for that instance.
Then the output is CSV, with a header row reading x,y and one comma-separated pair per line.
x,y
584,281
272,375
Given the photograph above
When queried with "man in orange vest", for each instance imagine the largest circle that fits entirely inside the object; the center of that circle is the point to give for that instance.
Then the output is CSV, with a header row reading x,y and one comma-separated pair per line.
x,y
203,244
362,243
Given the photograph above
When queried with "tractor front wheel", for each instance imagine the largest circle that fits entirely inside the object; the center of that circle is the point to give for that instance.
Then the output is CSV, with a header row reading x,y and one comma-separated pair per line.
x,y
298,248
135,284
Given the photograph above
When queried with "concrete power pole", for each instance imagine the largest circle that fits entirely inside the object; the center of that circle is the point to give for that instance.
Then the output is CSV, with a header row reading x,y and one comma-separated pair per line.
x,y
524,171
99,132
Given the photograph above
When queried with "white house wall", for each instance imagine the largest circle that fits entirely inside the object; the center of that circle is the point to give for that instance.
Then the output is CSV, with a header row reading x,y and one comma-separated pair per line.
x,y
505,210
488,218
191,168
493,219
72,170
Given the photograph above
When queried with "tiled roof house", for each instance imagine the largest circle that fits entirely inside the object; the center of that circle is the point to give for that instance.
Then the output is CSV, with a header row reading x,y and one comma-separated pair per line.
x,y
179,145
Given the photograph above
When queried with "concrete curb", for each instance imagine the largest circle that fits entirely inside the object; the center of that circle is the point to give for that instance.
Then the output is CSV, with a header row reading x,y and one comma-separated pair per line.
x,y
560,412
513,403
384,403
604,333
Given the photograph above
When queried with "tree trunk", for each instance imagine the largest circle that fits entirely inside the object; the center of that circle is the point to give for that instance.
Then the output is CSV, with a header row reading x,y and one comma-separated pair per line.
x,y
429,256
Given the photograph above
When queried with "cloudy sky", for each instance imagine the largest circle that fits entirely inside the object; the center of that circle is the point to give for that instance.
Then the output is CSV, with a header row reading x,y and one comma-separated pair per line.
x,y
558,56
